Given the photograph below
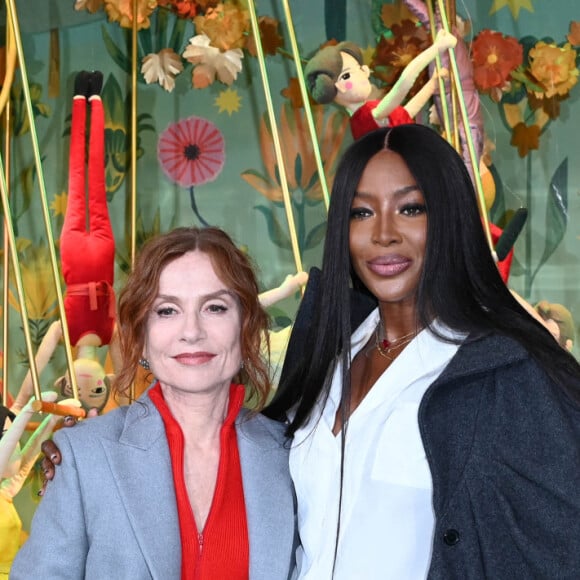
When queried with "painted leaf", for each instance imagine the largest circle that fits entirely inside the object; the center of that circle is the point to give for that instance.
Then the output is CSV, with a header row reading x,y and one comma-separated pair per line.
x,y
115,52
315,236
112,97
276,232
556,212
178,34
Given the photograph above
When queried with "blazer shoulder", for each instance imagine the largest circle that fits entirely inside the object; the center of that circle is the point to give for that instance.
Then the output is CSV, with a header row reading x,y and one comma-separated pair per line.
x,y
106,426
261,430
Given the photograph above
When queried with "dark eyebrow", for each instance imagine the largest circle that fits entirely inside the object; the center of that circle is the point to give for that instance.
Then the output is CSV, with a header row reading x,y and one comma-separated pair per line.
x,y
397,193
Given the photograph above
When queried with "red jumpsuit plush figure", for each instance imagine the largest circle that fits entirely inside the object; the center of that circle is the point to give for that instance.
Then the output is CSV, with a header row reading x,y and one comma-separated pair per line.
x,y
88,253
87,246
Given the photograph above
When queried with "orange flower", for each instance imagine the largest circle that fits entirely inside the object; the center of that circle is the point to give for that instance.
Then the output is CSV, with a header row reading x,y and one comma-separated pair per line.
x,y
394,54
554,67
271,39
294,95
574,35
495,56
186,9
525,138
394,13
226,26
121,11
297,150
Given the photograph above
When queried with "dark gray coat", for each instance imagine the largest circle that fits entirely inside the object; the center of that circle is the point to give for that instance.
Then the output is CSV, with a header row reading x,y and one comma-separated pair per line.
x,y
503,445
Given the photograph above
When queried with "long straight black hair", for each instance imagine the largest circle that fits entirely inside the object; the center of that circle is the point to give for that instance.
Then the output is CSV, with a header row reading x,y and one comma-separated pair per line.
x,y
460,284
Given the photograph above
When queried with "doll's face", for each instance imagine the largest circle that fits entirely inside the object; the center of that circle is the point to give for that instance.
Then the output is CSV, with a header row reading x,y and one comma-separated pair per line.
x,y
92,382
353,83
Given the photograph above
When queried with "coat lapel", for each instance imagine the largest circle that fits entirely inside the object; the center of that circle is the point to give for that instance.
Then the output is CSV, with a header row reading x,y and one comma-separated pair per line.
x,y
269,496
141,468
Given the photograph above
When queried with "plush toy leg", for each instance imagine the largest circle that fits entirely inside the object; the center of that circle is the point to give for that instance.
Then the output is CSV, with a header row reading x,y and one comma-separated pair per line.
x,y
99,221
74,219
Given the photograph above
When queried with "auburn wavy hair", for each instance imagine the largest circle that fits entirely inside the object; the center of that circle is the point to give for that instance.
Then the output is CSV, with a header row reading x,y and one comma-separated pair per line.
x,y
235,270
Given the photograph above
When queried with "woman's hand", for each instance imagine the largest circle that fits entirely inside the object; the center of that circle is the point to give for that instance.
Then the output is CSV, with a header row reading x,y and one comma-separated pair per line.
x,y
52,456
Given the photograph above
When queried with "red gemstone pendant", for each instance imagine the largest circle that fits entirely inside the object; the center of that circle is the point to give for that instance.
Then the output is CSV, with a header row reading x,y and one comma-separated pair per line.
x,y
385,344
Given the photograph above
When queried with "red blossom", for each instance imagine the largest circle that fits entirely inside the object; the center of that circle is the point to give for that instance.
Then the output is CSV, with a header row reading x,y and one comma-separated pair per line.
x,y
495,56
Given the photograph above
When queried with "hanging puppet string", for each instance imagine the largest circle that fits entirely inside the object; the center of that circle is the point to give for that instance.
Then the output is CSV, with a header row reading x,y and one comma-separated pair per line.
x,y
275,138
45,213
468,136
306,102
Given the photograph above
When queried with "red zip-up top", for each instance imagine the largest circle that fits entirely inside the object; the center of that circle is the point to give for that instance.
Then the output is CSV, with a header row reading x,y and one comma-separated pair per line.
x,y
221,550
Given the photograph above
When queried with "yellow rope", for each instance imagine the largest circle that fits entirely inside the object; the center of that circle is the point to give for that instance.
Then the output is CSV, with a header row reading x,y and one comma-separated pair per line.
x,y
276,139
11,11
468,137
306,101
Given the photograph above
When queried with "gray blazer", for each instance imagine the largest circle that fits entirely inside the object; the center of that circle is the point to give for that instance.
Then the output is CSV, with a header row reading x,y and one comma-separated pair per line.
x,y
111,510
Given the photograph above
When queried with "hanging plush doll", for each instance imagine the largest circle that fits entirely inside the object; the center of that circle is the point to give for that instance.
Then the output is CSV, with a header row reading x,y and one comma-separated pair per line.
x,y
87,250
88,254
337,73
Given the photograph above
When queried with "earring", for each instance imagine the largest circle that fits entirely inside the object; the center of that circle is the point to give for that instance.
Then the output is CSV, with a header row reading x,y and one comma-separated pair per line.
x,y
145,364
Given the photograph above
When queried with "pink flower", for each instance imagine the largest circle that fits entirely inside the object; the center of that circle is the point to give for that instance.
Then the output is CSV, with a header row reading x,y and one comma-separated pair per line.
x,y
191,151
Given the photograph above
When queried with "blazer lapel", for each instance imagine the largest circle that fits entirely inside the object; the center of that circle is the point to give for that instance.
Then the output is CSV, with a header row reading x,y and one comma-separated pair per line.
x,y
270,501
141,468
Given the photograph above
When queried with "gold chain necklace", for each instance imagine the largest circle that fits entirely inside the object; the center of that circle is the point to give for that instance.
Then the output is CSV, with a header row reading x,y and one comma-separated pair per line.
x,y
386,346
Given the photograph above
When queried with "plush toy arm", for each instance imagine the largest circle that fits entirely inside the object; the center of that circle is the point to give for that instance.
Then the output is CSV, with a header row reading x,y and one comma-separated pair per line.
x,y
422,97
115,351
45,351
291,284
10,439
443,41
29,454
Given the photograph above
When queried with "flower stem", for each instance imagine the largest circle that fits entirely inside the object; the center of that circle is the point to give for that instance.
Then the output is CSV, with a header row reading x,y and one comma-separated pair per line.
x,y
194,207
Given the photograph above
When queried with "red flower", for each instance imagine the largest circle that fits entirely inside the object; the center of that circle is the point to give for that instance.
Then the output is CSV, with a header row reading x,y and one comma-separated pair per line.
x,y
495,56
191,151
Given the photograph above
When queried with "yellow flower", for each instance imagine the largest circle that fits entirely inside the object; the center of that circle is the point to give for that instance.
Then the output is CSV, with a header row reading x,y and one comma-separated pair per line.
x,y
226,26
298,153
554,67
37,282
58,205
121,11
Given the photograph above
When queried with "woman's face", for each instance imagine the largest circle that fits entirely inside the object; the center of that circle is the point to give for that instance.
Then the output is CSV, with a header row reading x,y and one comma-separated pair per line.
x,y
388,229
353,83
193,331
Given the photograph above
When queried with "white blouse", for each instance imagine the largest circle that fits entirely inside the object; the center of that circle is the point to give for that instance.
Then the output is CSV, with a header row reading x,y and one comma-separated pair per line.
x,y
387,520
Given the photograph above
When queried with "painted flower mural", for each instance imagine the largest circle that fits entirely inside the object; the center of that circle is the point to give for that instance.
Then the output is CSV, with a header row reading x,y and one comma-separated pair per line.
x,y
495,57
222,36
301,170
191,152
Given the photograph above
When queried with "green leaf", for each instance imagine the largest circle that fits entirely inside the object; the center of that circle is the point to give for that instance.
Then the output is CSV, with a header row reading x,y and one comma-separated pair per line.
x,y
146,41
556,212
298,168
122,60
176,40
315,236
115,113
275,231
